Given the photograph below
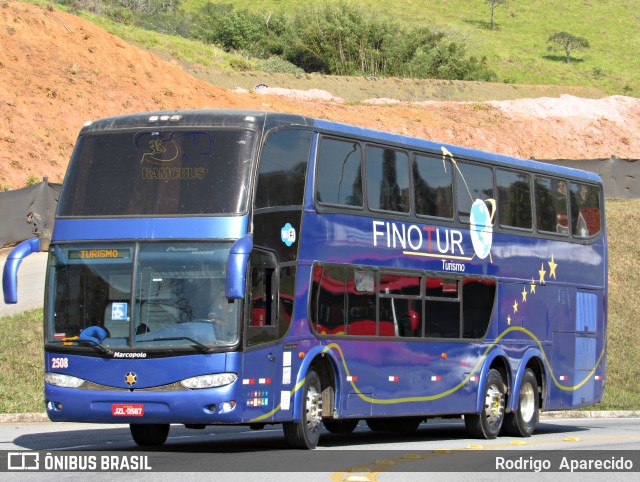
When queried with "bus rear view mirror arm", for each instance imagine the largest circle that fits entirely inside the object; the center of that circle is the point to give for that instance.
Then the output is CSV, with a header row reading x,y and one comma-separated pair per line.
x,y
10,274
237,267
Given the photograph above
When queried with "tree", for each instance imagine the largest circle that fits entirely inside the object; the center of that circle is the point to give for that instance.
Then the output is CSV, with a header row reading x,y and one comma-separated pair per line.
x,y
567,42
493,4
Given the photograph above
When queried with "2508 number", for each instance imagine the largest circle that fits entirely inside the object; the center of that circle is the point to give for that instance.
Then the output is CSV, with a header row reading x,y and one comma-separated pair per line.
x,y
60,363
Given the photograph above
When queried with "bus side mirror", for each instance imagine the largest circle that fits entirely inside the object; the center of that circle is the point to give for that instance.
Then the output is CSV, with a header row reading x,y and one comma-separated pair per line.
x,y
10,273
237,267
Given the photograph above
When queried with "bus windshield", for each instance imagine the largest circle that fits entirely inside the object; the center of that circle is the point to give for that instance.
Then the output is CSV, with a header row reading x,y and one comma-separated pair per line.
x,y
159,173
149,295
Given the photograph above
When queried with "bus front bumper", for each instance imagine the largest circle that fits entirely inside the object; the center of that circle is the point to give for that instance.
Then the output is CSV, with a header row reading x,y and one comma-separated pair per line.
x,y
205,406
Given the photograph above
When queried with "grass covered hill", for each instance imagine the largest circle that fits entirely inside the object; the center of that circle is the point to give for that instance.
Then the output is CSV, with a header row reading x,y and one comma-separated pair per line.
x,y
517,49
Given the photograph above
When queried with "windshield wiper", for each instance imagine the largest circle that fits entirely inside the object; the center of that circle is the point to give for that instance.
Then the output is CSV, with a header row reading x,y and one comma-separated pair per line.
x,y
196,343
97,346
91,343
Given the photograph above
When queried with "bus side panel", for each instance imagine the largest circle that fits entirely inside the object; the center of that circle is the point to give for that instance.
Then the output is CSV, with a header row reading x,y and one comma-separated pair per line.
x,y
405,378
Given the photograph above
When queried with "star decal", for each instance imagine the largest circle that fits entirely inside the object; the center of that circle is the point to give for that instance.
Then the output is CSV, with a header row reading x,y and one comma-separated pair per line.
x,y
131,378
542,273
532,286
552,268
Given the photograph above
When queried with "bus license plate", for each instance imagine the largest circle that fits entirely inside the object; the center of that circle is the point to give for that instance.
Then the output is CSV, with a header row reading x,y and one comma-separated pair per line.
x,y
127,410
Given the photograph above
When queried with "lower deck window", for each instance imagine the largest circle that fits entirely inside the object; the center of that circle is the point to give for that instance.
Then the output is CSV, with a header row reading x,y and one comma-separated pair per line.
x,y
351,301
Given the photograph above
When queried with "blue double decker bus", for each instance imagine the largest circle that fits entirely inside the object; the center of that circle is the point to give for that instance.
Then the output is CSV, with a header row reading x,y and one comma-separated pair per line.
x,y
222,267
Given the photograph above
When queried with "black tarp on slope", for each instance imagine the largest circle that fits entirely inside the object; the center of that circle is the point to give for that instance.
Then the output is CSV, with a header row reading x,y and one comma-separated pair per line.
x,y
28,212
621,177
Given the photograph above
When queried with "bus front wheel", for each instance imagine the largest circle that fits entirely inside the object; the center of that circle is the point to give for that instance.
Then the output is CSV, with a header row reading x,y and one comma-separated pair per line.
x,y
306,433
150,435
487,424
523,421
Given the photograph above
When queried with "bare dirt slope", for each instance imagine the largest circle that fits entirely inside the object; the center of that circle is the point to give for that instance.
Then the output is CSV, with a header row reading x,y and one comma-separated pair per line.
x,y
57,71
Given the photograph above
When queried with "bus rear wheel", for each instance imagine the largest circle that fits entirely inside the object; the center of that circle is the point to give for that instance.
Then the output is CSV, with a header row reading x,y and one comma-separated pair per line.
x,y
523,421
306,433
150,435
487,424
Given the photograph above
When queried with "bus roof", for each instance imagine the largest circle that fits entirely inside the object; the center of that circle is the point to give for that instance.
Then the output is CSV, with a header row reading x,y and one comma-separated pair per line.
x,y
457,151
266,120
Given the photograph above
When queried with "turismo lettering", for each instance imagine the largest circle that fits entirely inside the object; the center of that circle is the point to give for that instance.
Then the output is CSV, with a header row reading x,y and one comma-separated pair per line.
x,y
98,253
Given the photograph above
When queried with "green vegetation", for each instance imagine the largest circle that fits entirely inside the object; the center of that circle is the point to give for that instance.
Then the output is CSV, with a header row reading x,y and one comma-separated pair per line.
x,y
22,361
21,350
32,180
517,49
331,38
623,340
568,43
493,4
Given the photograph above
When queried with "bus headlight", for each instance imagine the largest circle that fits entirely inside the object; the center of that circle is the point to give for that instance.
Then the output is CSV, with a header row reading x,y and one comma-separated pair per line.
x,y
209,381
60,380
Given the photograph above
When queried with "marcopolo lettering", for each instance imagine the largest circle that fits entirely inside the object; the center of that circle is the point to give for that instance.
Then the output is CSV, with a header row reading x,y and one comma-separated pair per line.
x,y
121,354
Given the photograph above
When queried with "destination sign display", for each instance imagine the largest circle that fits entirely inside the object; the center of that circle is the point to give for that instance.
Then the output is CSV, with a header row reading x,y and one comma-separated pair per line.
x,y
98,253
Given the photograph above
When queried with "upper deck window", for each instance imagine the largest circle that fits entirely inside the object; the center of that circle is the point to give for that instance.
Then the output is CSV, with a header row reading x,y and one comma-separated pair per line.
x,y
551,205
283,167
585,210
339,174
472,182
387,179
159,172
514,199
433,186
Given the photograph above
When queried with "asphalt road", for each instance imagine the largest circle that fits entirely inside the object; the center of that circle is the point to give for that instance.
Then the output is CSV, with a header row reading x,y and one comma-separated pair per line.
x,y
440,445
364,456
31,276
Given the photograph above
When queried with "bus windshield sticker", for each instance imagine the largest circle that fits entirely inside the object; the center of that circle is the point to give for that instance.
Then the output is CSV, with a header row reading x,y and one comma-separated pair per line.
x,y
119,311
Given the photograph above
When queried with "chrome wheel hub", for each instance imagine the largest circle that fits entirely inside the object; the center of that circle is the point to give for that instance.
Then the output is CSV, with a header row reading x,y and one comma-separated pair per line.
x,y
527,403
313,408
494,404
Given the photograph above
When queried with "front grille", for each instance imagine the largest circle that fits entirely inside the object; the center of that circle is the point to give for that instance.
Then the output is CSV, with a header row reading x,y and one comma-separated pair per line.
x,y
172,387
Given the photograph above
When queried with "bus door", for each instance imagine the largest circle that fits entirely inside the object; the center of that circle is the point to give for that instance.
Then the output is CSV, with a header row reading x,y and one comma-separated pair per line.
x,y
262,360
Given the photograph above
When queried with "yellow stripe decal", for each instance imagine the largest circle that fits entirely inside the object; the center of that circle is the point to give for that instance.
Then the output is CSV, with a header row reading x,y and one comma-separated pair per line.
x,y
427,398
475,369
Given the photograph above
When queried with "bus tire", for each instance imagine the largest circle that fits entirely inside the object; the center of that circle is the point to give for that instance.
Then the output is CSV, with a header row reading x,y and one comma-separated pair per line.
x,y
341,426
149,435
522,422
487,424
305,434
